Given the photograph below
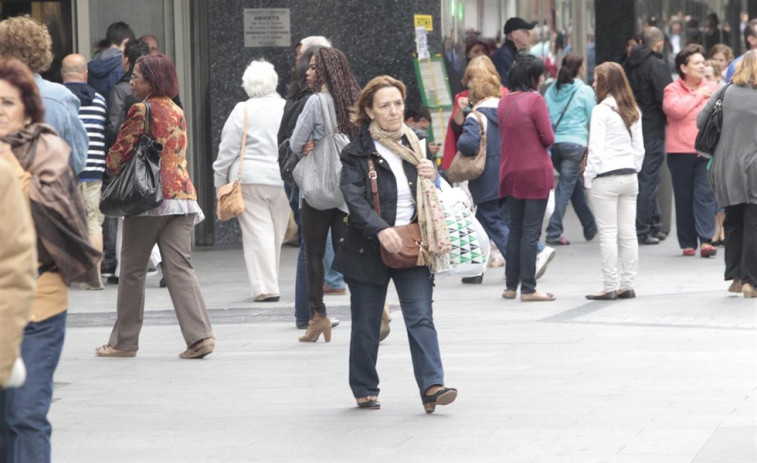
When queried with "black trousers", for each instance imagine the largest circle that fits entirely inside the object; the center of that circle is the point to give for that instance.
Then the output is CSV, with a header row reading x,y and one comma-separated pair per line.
x,y
740,226
315,229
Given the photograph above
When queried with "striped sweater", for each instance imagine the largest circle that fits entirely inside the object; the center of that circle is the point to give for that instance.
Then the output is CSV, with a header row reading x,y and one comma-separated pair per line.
x,y
92,114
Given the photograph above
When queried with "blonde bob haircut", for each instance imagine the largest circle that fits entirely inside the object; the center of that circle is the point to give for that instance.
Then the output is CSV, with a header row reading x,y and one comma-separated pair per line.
x,y
259,79
479,66
746,70
360,115
28,41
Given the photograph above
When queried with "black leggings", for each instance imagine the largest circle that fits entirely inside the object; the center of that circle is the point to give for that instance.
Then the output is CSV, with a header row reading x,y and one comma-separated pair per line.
x,y
315,229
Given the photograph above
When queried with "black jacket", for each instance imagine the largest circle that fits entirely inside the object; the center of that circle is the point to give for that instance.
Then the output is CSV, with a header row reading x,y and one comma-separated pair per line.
x,y
358,254
649,75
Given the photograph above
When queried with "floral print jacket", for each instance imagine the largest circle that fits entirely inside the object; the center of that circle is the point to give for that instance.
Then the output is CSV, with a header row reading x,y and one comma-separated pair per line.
x,y
168,127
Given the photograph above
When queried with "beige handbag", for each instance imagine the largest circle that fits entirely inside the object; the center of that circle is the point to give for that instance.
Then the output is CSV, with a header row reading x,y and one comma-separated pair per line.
x,y
229,197
470,167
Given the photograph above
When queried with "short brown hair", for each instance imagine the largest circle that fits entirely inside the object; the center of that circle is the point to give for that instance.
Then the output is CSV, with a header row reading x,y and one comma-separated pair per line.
x,y
725,50
484,81
683,56
26,40
360,115
160,72
476,67
18,75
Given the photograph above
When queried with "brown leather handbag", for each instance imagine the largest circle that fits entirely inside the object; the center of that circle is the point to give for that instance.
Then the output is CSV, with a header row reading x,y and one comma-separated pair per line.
x,y
470,167
410,234
229,201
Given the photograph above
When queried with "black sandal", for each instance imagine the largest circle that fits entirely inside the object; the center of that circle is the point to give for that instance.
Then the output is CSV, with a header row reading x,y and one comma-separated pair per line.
x,y
370,403
443,396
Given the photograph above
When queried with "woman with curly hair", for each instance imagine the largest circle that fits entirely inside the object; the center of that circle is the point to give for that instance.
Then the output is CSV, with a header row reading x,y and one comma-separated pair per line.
x,y
330,76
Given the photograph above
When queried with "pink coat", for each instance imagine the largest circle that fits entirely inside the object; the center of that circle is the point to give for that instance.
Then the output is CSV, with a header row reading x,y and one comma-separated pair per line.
x,y
682,106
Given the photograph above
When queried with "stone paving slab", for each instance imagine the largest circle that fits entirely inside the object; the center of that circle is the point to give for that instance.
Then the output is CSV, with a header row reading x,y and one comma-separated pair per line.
x,y
668,377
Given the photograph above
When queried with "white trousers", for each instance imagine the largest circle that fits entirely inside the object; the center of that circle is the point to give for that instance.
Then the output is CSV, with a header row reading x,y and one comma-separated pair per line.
x,y
613,200
264,224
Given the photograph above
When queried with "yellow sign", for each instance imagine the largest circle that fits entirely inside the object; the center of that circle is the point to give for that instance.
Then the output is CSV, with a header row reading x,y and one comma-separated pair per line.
x,y
424,20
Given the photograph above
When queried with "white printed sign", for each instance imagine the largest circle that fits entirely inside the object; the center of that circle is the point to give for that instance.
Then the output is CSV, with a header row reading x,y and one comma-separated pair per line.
x,y
267,27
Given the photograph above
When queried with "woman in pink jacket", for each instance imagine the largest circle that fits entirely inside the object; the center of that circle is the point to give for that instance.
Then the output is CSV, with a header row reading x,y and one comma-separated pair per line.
x,y
694,200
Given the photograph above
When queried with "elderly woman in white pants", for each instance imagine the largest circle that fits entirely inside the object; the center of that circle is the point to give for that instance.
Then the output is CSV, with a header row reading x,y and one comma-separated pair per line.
x,y
266,215
616,152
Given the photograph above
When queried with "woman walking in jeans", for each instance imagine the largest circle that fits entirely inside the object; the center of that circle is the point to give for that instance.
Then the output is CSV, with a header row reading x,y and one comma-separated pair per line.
x,y
616,152
329,74
570,102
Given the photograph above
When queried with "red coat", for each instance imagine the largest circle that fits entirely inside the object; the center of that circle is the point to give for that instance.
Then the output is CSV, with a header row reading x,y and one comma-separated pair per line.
x,y
525,168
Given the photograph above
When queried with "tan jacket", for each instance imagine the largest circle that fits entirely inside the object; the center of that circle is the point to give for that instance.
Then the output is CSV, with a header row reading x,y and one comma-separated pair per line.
x,y
18,266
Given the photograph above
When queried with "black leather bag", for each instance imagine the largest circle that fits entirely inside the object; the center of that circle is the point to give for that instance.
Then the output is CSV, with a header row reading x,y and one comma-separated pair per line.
x,y
138,187
709,136
287,162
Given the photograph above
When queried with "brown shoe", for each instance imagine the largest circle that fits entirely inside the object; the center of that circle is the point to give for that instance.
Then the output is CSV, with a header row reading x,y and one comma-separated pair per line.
x,y
199,349
537,297
749,290
318,324
106,350
509,294
736,286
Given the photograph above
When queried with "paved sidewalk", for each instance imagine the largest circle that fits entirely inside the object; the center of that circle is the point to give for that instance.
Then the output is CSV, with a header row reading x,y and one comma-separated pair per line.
x,y
667,377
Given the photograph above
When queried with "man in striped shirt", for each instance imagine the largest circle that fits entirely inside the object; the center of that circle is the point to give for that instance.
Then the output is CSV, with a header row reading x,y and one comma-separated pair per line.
x,y
92,114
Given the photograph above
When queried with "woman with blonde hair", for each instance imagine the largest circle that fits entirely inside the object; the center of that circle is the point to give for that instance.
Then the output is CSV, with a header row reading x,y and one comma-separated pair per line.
x,y
616,152
266,212
484,91
733,174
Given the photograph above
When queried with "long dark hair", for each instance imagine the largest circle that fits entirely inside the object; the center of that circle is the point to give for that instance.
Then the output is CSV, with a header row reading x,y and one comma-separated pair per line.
x,y
571,64
299,82
333,70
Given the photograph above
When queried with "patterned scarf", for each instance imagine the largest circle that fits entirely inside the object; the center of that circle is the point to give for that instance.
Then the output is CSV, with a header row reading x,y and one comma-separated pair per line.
x,y
427,204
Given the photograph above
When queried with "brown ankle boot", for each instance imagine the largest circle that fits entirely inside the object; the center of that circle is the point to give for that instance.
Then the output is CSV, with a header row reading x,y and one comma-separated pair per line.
x,y
318,324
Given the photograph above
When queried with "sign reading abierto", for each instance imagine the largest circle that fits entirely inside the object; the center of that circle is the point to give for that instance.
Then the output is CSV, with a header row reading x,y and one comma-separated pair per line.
x,y
267,27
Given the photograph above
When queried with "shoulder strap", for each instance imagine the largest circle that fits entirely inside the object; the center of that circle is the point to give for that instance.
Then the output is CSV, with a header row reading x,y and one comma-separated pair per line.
x,y
564,109
621,118
244,143
722,92
513,104
372,180
146,129
482,125
329,114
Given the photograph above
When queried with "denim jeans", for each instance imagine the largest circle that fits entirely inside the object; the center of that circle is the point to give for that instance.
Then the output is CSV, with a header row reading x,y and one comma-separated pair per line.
x,y
332,278
415,290
491,215
566,158
647,204
526,216
505,210
695,202
24,428
301,312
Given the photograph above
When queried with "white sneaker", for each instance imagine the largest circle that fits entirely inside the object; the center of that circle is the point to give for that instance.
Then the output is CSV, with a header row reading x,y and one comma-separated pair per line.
x,y
543,259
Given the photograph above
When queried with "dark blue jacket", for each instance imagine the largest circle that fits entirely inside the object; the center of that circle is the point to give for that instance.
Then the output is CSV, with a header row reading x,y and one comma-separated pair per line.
x,y
486,187
503,60
105,71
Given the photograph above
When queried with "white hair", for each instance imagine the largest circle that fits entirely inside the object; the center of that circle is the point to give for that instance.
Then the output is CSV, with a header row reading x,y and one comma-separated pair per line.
x,y
314,41
259,79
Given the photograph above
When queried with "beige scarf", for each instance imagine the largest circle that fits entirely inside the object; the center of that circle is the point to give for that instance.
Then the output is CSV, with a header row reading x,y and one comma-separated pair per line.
x,y
427,204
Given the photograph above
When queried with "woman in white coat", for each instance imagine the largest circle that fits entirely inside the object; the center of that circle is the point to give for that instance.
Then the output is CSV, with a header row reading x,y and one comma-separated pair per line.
x,y
266,209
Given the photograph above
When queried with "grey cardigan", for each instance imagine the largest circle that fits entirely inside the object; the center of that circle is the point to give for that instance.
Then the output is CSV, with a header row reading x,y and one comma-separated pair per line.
x,y
733,173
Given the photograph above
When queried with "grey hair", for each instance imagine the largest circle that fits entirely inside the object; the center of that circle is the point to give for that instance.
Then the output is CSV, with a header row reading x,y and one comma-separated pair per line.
x,y
314,40
259,79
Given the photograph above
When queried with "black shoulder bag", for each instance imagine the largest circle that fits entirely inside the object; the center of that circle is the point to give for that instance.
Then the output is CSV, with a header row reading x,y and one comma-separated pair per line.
x,y
709,136
138,187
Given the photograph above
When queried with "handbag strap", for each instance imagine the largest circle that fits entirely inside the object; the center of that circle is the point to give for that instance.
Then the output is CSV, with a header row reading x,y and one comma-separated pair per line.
x,y
329,114
244,143
372,180
564,109
146,128
511,106
481,131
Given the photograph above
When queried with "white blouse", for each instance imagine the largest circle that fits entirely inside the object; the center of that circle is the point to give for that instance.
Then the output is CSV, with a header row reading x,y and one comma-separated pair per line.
x,y
405,203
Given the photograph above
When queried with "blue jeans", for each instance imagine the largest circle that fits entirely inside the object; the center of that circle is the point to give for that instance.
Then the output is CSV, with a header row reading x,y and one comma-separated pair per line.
x,y
415,290
301,312
566,158
694,199
332,278
647,204
505,209
24,428
491,215
526,216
